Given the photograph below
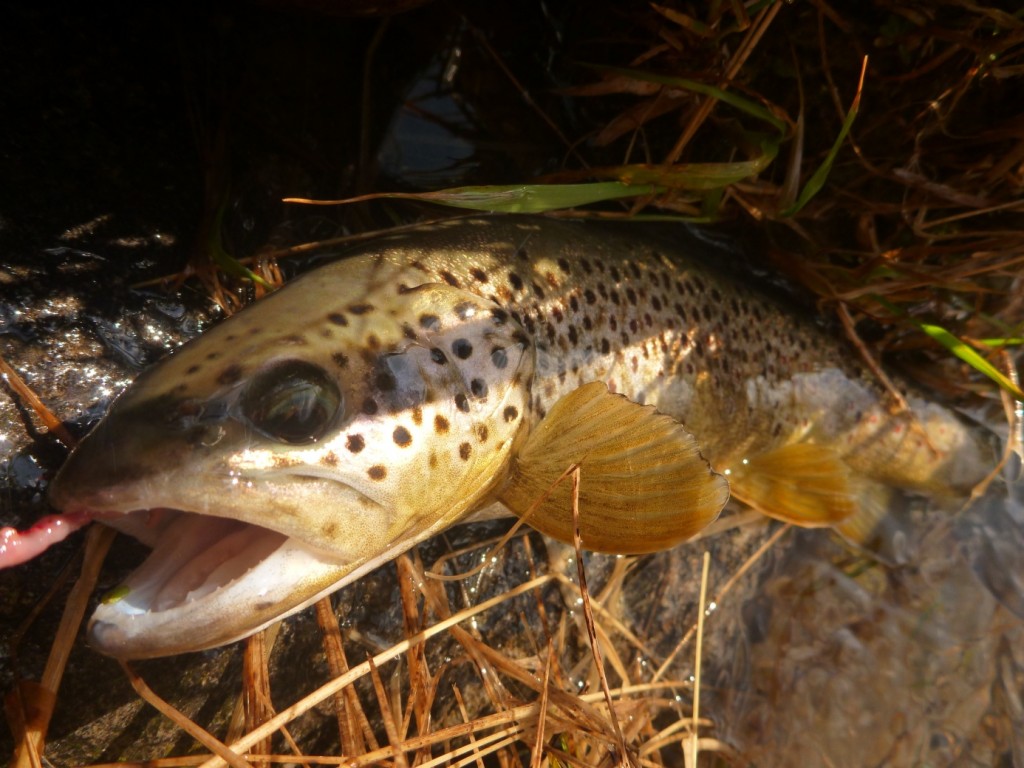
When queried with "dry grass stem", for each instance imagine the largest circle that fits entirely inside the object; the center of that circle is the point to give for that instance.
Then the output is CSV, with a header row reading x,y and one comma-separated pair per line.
x,y
201,735
588,615
18,386
701,611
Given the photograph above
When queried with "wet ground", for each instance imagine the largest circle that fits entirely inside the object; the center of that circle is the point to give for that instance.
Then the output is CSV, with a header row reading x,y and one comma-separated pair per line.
x,y
126,130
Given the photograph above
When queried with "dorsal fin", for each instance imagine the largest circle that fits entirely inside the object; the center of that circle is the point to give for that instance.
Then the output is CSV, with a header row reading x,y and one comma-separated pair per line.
x,y
644,485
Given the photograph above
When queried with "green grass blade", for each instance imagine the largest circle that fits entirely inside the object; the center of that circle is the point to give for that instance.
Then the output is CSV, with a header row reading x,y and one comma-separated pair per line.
x,y
747,106
817,180
961,349
970,356
700,177
510,198
224,260
535,198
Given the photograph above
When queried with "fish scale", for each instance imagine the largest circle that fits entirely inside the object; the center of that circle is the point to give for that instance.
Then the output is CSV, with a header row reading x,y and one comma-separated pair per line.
x,y
430,374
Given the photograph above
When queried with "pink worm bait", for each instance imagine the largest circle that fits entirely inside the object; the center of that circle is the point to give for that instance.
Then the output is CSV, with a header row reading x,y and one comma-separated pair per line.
x,y
17,547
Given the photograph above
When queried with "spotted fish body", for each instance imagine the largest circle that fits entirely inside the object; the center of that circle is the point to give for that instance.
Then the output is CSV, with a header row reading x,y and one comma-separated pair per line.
x,y
377,400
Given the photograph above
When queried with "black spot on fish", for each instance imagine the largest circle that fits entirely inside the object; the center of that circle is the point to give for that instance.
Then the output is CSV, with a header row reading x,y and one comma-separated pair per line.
x,y
656,303
409,332
462,402
438,356
634,269
556,313
631,296
462,349
588,324
449,278
499,316
707,312
589,296
337,318
478,274
402,437
586,266
516,281
464,451
369,406
478,387
634,326
521,253
537,290
605,347
563,265
230,375
361,309
616,275
430,322
574,303
521,338
499,358
613,323
440,424
377,472
355,443
573,336
193,369
482,433
511,413
213,355
340,359
385,381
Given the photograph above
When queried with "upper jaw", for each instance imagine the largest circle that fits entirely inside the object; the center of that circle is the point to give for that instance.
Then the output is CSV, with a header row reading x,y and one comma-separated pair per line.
x,y
212,577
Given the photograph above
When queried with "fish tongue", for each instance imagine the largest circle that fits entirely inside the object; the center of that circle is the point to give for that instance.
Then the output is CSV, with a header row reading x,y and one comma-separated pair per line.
x,y
17,547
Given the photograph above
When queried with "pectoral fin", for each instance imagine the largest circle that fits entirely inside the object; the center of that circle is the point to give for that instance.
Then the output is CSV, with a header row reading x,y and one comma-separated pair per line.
x,y
644,486
804,484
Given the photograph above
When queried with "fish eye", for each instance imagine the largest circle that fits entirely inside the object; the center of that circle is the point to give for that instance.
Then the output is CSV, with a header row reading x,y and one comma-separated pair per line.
x,y
292,401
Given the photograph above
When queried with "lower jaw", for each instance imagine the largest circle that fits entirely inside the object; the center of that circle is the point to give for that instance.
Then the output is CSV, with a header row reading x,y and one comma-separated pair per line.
x,y
208,582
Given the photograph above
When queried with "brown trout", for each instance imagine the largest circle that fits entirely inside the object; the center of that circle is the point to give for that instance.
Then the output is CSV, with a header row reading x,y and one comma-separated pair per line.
x,y
436,373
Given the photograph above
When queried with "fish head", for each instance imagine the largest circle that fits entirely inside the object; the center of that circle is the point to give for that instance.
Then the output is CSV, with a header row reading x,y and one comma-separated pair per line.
x,y
295,446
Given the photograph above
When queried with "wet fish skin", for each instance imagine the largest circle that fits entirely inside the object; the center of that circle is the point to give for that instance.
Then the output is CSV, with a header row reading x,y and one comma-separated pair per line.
x,y
407,378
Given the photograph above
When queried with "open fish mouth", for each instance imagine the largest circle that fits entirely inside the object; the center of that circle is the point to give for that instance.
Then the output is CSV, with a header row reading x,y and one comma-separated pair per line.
x,y
208,581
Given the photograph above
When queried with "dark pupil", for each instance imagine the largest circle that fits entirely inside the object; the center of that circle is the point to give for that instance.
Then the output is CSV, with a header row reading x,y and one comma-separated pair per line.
x,y
294,402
